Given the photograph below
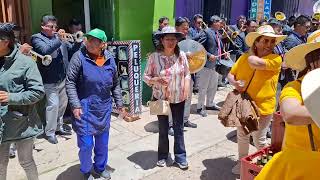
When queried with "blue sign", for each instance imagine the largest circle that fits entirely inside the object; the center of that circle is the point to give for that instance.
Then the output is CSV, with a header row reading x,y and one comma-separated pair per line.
x,y
267,9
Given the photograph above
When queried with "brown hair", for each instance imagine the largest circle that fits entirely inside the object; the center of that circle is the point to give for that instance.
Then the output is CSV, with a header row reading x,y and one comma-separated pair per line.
x,y
160,47
310,58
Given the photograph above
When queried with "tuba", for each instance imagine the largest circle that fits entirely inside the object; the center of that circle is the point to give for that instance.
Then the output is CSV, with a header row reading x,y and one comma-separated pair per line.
x,y
196,54
316,16
280,16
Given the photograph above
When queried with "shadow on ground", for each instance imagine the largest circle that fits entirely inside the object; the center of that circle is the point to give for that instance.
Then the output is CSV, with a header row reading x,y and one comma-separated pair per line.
x,y
144,159
73,172
232,136
152,127
217,169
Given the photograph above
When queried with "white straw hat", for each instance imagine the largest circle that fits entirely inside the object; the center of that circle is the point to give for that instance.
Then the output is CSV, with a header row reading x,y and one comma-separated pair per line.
x,y
265,30
295,57
310,90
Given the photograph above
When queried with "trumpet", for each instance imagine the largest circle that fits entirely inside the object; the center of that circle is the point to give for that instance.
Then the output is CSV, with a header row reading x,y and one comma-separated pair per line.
x,y
45,60
76,37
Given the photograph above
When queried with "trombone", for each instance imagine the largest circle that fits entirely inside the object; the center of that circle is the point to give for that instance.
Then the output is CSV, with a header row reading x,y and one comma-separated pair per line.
x,y
45,60
234,35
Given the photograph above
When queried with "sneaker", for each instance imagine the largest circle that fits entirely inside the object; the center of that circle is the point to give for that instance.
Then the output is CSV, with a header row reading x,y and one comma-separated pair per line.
x,y
161,163
171,131
12,153
236,169
52,139
190,124
202,112
214,108
105,174
183,165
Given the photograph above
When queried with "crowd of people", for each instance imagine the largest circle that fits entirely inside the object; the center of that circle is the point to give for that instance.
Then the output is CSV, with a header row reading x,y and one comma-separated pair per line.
x,y
82,79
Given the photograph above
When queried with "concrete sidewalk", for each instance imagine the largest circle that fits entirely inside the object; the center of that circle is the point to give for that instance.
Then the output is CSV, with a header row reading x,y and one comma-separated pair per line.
x,y
132,149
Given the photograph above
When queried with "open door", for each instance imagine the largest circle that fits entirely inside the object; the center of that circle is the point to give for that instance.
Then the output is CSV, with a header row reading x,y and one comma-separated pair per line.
x,y
17,11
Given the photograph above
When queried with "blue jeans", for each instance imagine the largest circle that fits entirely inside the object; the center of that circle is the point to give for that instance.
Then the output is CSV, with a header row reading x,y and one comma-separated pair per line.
x,y
177,111
100,145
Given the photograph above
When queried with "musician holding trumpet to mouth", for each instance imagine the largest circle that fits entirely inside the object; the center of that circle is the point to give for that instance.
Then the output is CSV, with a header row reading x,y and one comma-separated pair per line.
x,y
51,41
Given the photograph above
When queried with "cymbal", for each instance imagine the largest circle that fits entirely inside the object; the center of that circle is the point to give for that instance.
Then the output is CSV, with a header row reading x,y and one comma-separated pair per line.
x,y
196,54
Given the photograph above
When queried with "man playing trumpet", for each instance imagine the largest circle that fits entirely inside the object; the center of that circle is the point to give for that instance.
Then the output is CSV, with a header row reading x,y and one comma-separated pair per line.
x,y
50,42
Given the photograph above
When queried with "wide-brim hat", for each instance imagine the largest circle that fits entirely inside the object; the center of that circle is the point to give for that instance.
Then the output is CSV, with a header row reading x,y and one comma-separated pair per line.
x,y
295,57
310,90
97,33
265,30
168,30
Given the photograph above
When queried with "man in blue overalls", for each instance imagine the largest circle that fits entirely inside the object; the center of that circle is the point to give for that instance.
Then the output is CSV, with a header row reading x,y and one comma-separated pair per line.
x,y
91,81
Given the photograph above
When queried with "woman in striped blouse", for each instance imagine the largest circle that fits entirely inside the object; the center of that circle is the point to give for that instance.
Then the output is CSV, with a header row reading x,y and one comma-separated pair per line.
x,y
167,72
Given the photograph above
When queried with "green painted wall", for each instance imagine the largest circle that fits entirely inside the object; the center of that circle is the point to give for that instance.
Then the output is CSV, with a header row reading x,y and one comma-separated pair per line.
x,y
38,8
163,8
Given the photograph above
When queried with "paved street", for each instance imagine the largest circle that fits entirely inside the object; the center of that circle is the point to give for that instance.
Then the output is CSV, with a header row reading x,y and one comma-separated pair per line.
x,y
211,150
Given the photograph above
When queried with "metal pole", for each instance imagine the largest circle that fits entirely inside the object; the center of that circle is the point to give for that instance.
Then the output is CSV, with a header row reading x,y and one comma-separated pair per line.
x,y
86,5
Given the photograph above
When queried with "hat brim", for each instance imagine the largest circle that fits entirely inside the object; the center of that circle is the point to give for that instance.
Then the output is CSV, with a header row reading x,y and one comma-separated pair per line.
x,y
89,35
251,37
310,91
295,57
161,34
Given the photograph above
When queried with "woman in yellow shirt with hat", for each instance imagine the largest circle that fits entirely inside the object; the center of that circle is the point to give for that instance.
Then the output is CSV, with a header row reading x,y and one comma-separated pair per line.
x,y
300,153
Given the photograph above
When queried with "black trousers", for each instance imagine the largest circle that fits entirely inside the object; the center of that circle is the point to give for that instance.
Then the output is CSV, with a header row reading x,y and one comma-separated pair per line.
x,y
177,111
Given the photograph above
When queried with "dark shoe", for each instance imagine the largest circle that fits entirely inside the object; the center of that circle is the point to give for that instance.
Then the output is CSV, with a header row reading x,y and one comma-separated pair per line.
x,y
171,131
202,112
183,165
214,108
269,134
190,124
195,91
63,132
52,139
88,176
105,174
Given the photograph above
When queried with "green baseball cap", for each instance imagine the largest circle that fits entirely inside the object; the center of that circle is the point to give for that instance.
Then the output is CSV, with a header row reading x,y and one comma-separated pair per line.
x,y
97,33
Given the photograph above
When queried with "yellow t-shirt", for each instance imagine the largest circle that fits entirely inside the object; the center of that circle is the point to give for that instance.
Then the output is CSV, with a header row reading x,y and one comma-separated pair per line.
x,y
263,86
297,137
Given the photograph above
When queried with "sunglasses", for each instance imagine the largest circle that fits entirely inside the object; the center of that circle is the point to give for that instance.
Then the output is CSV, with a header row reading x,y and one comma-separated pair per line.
x,y
267,41
52,26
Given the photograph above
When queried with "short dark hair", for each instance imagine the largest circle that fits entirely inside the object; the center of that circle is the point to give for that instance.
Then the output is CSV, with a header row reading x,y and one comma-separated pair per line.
x,y
74,22
46,18
214,19
301,20
181,20
241,17
163,18
249,21
6,33
196,16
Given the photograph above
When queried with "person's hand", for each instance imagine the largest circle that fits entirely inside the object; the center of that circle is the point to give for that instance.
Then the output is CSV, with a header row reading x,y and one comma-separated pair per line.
x,y
77,112
25,48
61,34
122,112
227,55
239,86
4,97
212,58
161,80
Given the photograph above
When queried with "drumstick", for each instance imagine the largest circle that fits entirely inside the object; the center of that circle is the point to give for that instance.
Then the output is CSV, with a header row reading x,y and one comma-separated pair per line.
x,y
224,53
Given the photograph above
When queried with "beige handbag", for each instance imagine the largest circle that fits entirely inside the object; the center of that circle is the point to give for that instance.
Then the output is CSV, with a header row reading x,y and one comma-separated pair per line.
x,y
159,107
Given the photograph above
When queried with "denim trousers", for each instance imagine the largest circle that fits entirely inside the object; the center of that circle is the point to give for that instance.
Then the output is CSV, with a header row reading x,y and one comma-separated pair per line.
x,y
177,111
57,101
25,157
99,144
